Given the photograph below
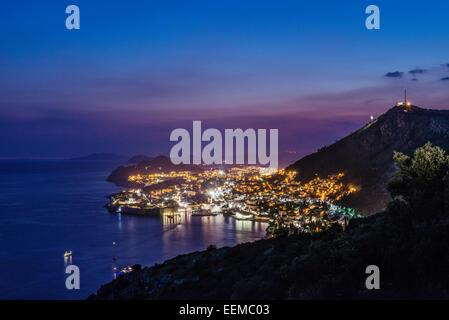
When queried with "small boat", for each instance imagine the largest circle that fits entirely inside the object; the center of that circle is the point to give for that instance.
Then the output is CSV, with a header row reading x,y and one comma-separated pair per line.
x,y
67,254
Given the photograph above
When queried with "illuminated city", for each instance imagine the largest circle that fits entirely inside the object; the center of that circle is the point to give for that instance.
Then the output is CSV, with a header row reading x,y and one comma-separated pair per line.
x,y
245,193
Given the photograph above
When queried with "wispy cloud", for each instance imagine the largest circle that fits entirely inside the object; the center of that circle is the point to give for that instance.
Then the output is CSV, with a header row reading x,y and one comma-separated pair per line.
x,y
417,71
395,74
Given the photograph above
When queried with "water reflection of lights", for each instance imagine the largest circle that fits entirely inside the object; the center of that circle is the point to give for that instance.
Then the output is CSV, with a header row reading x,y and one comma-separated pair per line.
x,y
197,233
119,221
172,216
67,261
242,225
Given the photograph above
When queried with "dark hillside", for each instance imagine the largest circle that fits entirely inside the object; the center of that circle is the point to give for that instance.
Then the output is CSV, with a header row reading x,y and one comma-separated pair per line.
x,y
366,156
159,164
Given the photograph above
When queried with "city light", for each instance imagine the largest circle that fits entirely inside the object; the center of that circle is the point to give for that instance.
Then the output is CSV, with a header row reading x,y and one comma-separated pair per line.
x,y
245,192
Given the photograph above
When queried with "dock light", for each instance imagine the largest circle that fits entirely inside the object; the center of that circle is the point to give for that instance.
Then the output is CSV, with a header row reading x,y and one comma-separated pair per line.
x,y
409,104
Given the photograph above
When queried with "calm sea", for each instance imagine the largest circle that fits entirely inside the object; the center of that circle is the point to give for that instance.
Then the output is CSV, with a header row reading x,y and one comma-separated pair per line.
x,y
48,207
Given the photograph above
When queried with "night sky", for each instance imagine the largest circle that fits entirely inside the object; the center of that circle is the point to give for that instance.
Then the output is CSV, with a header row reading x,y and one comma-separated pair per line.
x,y
136,70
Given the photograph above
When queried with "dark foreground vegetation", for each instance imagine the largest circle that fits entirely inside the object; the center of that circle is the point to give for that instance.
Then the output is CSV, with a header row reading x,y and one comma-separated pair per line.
x,y
409,242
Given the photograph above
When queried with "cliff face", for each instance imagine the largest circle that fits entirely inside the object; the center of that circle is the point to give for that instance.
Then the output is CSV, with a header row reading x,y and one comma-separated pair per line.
x,y
366,156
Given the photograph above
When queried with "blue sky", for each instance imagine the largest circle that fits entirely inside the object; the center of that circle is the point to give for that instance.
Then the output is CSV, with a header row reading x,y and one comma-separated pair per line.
x,y
136,70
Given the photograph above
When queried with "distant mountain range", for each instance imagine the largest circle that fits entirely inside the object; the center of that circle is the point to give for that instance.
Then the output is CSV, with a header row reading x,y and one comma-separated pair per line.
x,y
366,156
101,157
113,157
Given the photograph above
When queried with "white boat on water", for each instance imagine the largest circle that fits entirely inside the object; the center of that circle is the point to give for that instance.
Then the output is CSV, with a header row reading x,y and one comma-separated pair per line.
x,y
67,254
